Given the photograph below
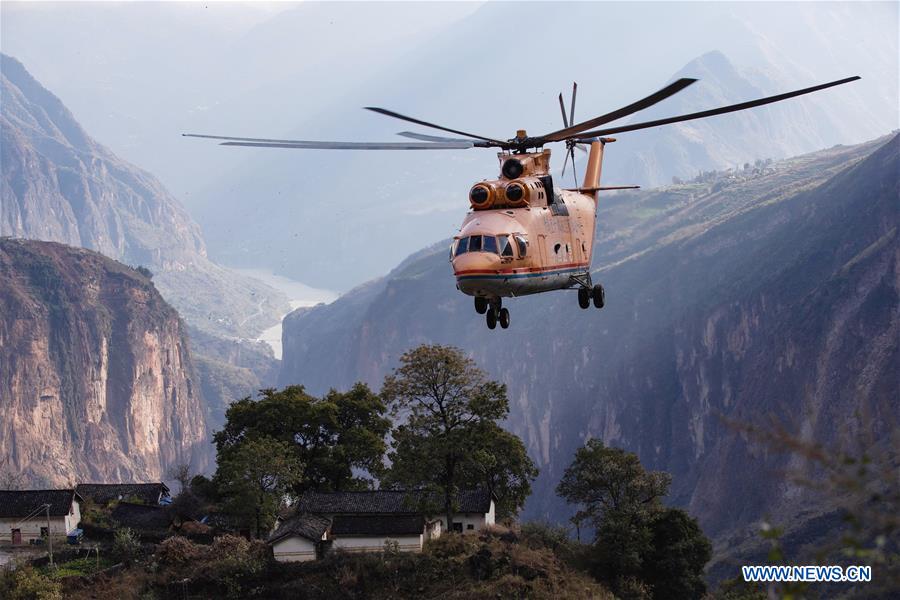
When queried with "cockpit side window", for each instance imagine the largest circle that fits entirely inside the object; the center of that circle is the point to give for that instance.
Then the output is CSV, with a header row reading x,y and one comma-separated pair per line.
x,y
462,246
506,247
523,245
489,244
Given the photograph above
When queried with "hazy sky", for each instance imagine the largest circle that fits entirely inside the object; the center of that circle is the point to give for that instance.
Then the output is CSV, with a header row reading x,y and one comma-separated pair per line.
x,y
136,75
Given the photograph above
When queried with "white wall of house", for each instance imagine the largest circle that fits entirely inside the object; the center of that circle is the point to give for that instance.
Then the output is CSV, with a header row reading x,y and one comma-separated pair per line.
x,y
74,517
31,529
294,549
375,543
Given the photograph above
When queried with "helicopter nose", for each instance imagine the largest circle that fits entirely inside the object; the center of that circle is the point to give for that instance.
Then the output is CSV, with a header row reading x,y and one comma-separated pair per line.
x,y
475,263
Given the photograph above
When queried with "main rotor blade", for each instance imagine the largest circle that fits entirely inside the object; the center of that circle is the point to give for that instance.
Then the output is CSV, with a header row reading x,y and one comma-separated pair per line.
x,y
311,145
669,90
396,115
565,162
562,109
270,143
718,111
432,138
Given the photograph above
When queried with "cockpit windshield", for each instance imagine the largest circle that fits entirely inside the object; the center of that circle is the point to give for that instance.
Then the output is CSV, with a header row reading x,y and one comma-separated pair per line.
x,y
502,245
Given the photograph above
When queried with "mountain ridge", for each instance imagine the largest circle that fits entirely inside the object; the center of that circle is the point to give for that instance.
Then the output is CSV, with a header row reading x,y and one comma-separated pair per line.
x,y
61,185
97,381
701,279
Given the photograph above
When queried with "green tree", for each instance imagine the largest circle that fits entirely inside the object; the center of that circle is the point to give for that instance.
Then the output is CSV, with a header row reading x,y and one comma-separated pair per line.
x,y
678,552
27,583
609,480
501,464
336,439
448,437
255,478
638,542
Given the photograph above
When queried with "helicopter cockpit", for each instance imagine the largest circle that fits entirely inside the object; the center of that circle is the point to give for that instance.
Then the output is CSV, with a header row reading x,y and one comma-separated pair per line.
x,y
504,245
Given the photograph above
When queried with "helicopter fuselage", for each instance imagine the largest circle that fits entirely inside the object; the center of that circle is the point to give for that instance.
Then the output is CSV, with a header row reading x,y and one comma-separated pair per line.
x,y
524,235
533,249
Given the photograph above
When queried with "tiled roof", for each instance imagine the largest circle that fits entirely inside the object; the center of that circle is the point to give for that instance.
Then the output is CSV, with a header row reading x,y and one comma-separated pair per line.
x,y
378,525
141,516
305,525
21,503
104,493
388,502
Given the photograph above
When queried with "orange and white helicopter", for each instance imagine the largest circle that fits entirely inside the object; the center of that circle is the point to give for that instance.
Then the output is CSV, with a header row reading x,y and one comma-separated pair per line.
x,y
525,235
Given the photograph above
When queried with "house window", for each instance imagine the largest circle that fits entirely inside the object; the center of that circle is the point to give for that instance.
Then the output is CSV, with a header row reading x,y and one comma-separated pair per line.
x,y
44,532
470,526
457,527
16,536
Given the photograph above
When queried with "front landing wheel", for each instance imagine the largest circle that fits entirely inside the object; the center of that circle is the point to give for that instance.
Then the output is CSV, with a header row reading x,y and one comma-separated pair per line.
x,y
504,318
584,297
481,305
599,296
491,319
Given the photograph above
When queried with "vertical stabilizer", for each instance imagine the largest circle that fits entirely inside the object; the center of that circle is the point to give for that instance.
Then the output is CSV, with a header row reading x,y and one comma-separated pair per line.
x,y
594,166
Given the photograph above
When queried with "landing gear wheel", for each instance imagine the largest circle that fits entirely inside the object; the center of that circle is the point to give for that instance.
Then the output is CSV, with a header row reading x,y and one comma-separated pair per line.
x,y
491,319
481,305
584,297
504,318
599,296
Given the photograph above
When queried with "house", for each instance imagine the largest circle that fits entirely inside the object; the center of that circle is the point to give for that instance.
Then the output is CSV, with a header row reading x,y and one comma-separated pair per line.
x,y
473,509
370,521
300,538
371,533
141,517
24,514
104,493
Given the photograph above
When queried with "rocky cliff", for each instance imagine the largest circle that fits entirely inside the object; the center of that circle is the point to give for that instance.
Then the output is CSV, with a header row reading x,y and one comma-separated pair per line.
x,y
767,292
58,184
96,377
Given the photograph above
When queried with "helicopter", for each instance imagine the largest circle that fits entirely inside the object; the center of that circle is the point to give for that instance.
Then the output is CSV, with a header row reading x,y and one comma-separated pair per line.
x,y
524,234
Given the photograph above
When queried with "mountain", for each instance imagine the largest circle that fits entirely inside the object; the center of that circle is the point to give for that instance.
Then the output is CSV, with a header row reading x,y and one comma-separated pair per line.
x,y
652,157
767,291
97,382
58,184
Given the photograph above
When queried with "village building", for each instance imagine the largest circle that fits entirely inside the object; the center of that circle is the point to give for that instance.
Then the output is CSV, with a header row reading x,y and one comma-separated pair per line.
x,y
104,493
473,509
29,515
375,533
142,517
372,521
300,538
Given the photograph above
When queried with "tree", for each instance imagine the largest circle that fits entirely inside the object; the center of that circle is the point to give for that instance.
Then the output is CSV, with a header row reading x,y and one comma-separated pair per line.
x,y
638,542
337,439
609,480
255,478
181,473
448,437
501,464
678,552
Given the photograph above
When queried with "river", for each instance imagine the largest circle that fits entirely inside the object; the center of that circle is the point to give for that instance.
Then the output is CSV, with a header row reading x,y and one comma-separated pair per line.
x,y
299,294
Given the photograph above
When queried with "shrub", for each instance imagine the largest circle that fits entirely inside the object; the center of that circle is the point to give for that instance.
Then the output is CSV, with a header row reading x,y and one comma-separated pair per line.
x,y
236,556
195,528
27,583
178,551
126,545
